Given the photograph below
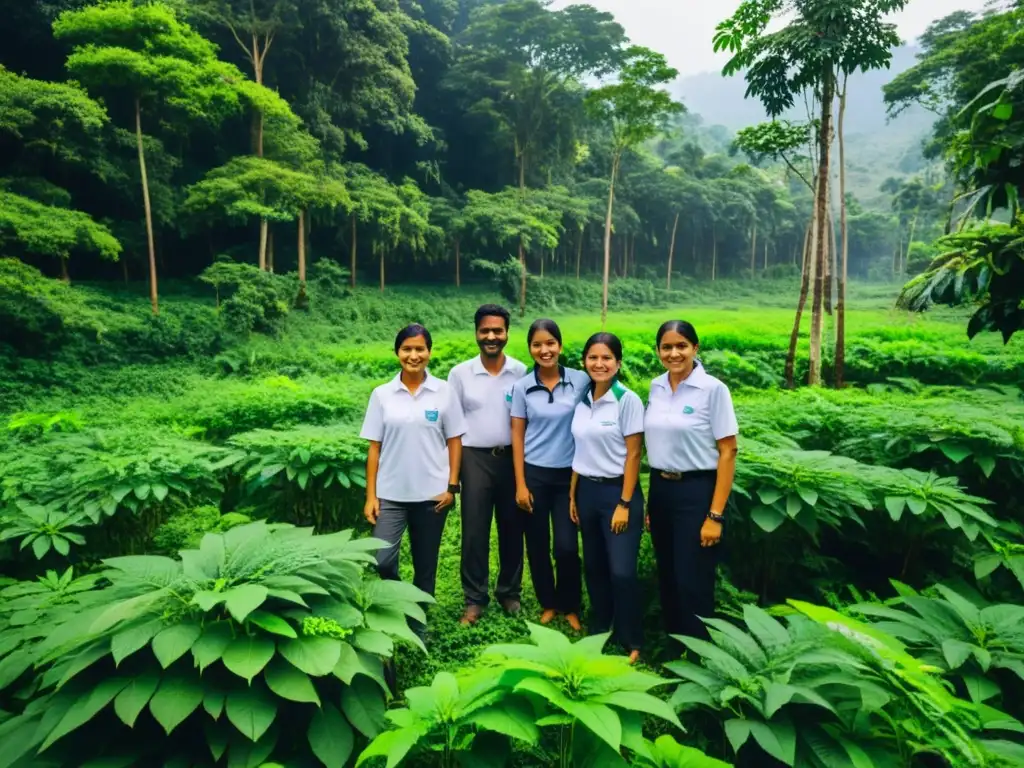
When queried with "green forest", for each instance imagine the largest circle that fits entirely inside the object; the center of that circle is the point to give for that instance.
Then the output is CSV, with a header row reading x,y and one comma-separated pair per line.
x,y
216,214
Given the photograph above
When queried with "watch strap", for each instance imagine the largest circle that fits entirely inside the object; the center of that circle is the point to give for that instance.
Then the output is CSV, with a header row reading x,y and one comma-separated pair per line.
x,y
454,488
716,517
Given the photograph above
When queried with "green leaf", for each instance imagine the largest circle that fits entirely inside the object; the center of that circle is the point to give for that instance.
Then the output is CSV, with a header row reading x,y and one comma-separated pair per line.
x,y
955,452
247,656
986,564
243,600
778,739
956,652
917,506
272,623
128,641
737,731
980,688
289,683
85,709
175,699
174,642
769,495
330,737
159,491
364,706
634,701
41,546
315,656
394,745
601,720
212,643
373,641
251,710
809,495
14,666
1002,111
767,518
213,700
895,506
793,504
135,696
986,463
512,718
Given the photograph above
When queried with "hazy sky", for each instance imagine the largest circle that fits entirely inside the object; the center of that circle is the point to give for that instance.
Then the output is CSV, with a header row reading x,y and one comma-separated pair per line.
x,y
682,29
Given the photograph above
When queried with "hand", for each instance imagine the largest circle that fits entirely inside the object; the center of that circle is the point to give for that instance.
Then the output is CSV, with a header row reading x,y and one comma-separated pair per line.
x,y
710,533
573,514
620,520
371,510
524,499
444,501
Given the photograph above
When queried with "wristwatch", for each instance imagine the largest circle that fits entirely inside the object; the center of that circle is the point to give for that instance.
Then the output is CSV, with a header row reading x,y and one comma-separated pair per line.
x,y
454,488
716,517
624,503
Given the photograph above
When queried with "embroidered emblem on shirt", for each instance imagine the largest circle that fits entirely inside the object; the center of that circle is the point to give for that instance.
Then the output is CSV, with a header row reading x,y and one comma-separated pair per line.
x,y
609,423
508,396
687,409
431,415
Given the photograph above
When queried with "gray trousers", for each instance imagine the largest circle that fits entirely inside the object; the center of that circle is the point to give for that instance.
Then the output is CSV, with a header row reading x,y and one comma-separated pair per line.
x,y
425,529
489,491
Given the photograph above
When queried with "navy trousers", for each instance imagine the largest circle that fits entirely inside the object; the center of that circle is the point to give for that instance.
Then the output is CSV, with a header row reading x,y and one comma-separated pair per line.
x,y
610,560
550,489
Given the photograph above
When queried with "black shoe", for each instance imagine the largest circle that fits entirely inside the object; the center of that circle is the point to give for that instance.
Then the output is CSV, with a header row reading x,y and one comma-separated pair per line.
x,y
511,606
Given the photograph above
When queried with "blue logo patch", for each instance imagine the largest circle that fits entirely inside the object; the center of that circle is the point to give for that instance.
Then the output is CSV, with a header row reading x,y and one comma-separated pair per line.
x,y
431,415
508,396
687,409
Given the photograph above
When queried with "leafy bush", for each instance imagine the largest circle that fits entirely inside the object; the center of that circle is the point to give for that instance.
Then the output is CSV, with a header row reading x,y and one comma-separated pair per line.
x,y
253,300
265,643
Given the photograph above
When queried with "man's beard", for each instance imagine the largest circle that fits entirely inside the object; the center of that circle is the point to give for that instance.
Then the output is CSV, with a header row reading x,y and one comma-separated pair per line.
x,y
483,348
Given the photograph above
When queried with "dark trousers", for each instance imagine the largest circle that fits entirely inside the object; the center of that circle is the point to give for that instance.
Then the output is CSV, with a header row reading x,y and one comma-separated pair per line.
x,y
686,570
425,529
550,489
489,491
609,561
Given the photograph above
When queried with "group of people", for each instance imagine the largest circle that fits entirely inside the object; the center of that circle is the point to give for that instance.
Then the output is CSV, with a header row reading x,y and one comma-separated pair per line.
x,y
553,454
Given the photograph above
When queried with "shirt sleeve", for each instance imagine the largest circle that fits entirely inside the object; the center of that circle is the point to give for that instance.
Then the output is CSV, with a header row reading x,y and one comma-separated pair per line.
x,y
373,421
631,414
723,417
518,401
455,390
580,381
454,422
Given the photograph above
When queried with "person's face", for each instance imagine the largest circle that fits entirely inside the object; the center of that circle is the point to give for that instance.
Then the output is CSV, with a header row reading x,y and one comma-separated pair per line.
x,y
414,355
676,352
491,335
545,349
600,363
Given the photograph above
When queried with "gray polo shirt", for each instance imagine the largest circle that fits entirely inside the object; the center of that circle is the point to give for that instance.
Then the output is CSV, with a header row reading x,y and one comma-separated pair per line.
x,y
486,401
682,427
413,430
600,429
549,416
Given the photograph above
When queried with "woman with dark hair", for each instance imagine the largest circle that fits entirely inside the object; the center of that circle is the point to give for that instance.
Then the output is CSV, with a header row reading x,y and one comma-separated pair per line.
x,y
605,497
412,466
691,430
542,451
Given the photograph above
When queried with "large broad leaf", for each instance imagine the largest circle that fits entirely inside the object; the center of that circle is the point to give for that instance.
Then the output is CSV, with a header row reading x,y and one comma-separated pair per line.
x,y
251,710
14,666
243,600
777,738
373,641
364,706
135,696
394,745
737,731
212,643
128,641
634,701
174,642
247,656
175,699
956,652
330,737
86,709
767,518
510,717
251,754
315,656
290,683
980,688
272,623
602,720
770,633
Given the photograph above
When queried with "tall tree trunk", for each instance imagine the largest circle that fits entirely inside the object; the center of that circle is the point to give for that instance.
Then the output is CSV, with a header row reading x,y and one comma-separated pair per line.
x,y
522,279
631,261
352,254
150,239
844,262
805,279
608,242
830,260
579,251
302,247
64,275
542,260
458,269
818,271
270,249
714,252
671,251
753,252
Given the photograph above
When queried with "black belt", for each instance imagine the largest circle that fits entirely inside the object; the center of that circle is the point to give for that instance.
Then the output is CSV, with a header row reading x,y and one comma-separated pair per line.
x,y
499,450
675,477
604,480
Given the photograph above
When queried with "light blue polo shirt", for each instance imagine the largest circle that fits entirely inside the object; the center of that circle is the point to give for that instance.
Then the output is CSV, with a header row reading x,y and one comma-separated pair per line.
x,y
682,428
548,416
600,429
413,431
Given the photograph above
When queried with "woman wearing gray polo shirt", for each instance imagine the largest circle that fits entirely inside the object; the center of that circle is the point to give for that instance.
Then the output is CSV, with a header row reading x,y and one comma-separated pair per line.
x,y
605,498
690,429
412,467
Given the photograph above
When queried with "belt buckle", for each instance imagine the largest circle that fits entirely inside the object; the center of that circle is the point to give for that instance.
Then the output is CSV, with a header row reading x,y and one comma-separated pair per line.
x,y
498,451
672,475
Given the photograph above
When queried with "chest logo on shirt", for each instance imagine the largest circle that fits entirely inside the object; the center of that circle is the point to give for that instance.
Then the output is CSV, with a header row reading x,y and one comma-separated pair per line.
x,y
609,423
687,409
508,396
431,415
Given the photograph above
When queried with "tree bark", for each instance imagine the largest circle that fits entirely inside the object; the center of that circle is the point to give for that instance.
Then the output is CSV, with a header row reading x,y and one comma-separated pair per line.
x,y
64,269
830,259
352,255
753,252
794,336
844,262
818,272
264,229
270,249
458,271
579,251
608,241
522,279
671,251
302,247
631,261
714,253
150,239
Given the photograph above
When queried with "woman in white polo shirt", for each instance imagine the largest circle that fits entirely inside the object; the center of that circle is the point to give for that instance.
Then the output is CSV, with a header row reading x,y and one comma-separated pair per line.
x,y
690,429
412,466
605,497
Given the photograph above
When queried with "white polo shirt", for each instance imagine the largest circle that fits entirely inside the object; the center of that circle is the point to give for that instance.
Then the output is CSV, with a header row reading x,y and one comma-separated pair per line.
x,y
600,430
486,401
413,430
682,428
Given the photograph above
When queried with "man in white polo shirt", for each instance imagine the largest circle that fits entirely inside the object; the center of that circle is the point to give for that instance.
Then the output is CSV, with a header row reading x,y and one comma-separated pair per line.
x,y
483,388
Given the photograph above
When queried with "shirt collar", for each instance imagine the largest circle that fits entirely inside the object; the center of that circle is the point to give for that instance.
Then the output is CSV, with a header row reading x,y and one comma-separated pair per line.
x,y
697,378
476,366
431,383
561,375
615,392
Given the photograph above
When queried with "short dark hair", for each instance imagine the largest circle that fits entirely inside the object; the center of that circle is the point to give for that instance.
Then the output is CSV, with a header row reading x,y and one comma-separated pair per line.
x,y
491,310
411,331
543,324
610,340
683,328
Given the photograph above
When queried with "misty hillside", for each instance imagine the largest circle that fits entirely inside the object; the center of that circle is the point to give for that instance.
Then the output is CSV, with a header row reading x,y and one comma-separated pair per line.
x,y
876,146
